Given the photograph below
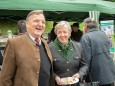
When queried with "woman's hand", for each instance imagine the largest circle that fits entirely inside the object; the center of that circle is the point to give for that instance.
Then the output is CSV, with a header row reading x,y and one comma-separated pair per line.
x,y
58,80
76,75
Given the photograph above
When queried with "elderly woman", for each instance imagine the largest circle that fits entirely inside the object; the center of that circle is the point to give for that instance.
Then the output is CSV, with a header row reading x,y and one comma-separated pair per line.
x,y
68,62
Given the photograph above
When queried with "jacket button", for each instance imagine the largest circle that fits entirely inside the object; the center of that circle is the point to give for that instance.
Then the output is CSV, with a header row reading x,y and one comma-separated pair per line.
x,y
38,59
37,72
77,57
55,59
67,69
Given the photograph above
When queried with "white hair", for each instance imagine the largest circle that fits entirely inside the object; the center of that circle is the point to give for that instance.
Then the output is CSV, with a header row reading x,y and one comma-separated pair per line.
x,y
62,24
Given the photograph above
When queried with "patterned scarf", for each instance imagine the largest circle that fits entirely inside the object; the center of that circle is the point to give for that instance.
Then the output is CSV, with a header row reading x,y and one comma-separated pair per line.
x,y
66,51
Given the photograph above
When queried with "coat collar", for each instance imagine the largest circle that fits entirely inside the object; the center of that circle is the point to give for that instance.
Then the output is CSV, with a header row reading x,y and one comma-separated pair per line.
x,y
47,49
94,29
45,44
27,35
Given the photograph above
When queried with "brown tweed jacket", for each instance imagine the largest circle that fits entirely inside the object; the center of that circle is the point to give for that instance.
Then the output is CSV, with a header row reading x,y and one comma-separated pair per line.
x,y
21,63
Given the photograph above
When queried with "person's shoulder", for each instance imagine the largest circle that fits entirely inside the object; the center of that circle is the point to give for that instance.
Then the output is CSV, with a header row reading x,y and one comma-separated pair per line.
x,y
88,34
87,37
80,30
76,43
16,39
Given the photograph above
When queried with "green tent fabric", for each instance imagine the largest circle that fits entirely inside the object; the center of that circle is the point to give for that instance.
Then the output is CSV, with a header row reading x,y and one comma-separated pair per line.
x,y
92,5
55,9
59,5
46,5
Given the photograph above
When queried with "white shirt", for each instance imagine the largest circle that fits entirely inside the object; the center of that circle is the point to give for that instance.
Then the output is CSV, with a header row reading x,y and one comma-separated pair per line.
x,y
34,39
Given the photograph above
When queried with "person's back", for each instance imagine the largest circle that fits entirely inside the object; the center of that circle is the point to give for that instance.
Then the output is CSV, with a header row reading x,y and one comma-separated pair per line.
x,y
96,52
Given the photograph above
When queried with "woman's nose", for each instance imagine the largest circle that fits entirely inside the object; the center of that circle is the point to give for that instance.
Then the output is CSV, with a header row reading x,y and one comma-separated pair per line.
x,y
62,34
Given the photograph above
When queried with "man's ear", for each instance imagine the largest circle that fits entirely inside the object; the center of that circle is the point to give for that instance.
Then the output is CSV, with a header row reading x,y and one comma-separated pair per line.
x,y
85,28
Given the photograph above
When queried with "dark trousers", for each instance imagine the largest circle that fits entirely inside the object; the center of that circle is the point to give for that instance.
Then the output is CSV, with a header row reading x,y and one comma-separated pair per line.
x,y
112,84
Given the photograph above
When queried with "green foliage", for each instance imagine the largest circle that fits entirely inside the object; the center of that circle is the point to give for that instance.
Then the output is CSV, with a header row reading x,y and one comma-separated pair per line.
x,y
49,26
6,25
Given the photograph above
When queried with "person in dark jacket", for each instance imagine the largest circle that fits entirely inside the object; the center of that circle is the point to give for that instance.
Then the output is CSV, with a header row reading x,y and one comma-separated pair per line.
x,y
68,62
96,47
76,33
52,35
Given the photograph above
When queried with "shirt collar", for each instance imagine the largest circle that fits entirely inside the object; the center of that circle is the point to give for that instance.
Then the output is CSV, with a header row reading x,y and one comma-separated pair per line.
x,y
34,39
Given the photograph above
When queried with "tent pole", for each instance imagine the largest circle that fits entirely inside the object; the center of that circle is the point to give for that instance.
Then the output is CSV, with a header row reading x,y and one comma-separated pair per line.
x,y
94,15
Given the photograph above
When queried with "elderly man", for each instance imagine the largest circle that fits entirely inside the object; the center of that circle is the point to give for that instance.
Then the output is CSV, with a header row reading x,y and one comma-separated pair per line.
x,y
27,62
96,52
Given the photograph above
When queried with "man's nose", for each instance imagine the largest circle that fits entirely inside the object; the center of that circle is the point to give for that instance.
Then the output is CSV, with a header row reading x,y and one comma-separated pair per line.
x,y
40,23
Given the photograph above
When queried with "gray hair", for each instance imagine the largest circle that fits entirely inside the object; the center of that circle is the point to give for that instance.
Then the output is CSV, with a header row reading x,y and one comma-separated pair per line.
x,y
91,23
34,12
22,26
62,24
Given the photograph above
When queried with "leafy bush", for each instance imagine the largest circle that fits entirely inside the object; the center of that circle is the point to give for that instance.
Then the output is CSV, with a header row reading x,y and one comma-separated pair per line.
x,y
6,25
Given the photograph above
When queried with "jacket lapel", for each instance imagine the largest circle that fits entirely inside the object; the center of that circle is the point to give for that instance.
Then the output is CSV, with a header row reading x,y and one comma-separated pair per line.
x,y
32,42
45,44
47,50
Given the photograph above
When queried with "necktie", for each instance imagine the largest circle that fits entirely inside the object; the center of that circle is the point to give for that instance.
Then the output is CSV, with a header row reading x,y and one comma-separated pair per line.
x,y
37,41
